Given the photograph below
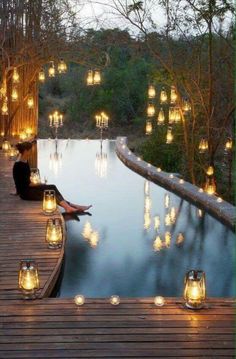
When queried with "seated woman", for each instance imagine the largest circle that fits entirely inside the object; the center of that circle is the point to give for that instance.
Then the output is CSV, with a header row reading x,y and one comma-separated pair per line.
x,y
34,192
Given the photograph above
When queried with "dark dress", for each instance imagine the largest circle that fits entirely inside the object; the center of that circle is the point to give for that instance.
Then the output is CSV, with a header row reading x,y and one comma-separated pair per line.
x,y
21,175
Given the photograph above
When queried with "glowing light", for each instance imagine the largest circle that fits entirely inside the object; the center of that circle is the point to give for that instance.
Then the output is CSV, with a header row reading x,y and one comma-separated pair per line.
x,y
173,95
79,299
150,110
194,289
115,300
169,136
148,127
167,239
159,301
15,76
157,244
163,96
151,91
161,117
157,222
167,200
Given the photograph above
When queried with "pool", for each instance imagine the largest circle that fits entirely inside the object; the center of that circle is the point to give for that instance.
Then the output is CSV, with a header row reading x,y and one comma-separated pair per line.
x,y
140,239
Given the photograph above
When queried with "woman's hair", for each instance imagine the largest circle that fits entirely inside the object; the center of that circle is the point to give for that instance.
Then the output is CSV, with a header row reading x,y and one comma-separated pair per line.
x,y
24,146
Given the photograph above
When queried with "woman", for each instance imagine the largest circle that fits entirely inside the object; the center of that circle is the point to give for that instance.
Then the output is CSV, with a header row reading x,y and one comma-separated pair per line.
x,y
34,192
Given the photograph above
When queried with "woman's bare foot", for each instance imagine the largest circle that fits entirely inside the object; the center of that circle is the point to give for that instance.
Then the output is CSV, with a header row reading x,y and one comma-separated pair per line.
x,y
68,207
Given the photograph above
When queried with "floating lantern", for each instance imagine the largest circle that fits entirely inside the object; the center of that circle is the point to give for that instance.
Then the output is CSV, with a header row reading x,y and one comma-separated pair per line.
x,y
15,76
200,190
97,77
51,70
210,186
90,78
151,91
171,175
194,289
41,75
115,300
169,136
203,146
150,110
163,96
62,67
157,222
186,106
159,301
210,171
4,108
54,233
79,299
161,117
148,127
30,102
157,244
28,278
173,95
49,202
35,176
14,94
228,145
6,146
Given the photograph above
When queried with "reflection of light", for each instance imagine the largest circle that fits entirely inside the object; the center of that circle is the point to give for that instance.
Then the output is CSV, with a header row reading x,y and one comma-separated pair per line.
x,y
167,200
179,239
94,239
157,244
157,222
101,164
167,239
173,215
147,204
90,235
146,187
55,162
199,212
147,220
167,219
87,230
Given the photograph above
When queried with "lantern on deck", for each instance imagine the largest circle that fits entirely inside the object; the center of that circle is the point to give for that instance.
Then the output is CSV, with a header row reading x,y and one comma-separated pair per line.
x,y
163,96
49,202
169,136
173,95
150,110
35,176
148,127
51,70
15,76
28,279
161,117
14,94
54,233
30,102
97,77
62,67
194,289
203,146
151,91
6,146
41,76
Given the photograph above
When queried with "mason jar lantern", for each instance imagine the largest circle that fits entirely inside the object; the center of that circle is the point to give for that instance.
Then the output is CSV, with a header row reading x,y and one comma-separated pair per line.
x,y
28,279
49,202
194,289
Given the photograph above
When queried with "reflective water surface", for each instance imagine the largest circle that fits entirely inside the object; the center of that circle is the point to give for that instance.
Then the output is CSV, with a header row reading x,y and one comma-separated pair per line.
x,y
140,239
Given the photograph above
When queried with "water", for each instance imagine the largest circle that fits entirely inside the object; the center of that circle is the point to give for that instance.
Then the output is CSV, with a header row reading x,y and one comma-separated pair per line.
x,y
115,251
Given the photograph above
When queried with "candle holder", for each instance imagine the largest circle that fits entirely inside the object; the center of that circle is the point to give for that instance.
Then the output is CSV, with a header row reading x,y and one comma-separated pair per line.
x,y
194,289
35,176
49,202
28,279
54,233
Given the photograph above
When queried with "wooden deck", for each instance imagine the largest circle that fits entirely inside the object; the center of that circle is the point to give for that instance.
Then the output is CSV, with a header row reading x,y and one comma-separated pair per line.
x,y
57,328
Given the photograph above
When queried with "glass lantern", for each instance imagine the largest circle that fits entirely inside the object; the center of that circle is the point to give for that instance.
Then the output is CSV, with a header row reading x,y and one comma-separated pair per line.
x,y
161,117
62,67
49,202
210,186
173,95
15,76
203,146
30,102
54,233
151,91
228,145
194,289
163,96
35,176
14,94
148,127
41,76
169,136
6,146
97,77
28,279
89,79
150,110
51,70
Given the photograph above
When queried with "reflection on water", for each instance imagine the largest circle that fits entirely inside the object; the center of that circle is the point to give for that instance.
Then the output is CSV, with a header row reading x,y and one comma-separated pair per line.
x,y
101,163
140,239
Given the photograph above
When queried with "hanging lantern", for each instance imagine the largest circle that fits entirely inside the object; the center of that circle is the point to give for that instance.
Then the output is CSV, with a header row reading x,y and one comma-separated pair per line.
x,y
151,91
28,278
30,102
203,146
41,76
51,70
194,289
14,94
13,153
163,96
6,146
90,78
148,127
15,76
62,67
210,186
4,108
171,115
161,117
157,244
150,110
186,106
210,171
169,136
54,233
97,77
173,95
228,145
177,115
35,176
49,202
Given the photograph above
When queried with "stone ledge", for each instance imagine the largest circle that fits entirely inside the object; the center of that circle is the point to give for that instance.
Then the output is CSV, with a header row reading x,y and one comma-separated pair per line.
x,y
223,211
